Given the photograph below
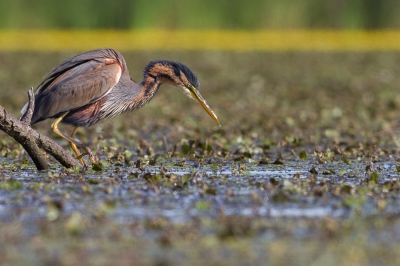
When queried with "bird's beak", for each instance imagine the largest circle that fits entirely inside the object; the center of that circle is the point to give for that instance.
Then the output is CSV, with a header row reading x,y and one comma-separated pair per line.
x,y
196,96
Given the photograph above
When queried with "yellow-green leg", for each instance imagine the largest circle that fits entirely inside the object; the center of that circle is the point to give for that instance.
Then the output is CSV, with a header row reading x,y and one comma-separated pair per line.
x,y
73,142
75,149
93,159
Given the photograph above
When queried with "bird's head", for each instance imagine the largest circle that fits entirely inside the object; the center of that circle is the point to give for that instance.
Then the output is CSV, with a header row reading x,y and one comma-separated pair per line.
x,y
178,74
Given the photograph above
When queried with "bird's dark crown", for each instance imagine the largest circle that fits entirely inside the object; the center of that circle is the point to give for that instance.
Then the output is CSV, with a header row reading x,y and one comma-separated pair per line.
x,y
171,70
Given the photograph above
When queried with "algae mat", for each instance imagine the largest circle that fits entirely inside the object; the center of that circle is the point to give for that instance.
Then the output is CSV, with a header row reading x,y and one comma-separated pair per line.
x,y
304,169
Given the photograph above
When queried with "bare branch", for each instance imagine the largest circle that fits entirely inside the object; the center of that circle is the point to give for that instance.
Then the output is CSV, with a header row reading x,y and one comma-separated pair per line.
x,y
56,151
35,143
16,129
27,116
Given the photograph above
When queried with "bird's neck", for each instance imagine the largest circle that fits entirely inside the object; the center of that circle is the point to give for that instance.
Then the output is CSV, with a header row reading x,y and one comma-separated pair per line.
x,y
128,95
149,86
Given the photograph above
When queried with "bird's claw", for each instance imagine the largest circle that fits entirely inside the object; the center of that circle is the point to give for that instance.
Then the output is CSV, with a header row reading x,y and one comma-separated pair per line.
x,y
93,159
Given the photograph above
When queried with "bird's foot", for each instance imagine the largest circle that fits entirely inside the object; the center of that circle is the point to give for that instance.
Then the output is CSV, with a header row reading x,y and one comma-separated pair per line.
x,y
96,165
93,159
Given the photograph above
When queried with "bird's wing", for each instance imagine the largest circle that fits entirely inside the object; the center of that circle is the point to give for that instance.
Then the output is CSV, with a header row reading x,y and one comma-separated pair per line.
x,y
85,62
77,82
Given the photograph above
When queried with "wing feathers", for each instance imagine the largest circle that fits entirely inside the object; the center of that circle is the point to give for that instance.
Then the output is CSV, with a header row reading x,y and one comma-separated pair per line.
x,y
77,82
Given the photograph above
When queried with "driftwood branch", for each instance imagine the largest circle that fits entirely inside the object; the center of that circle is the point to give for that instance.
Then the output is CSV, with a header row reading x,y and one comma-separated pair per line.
x,y
35,143
27,116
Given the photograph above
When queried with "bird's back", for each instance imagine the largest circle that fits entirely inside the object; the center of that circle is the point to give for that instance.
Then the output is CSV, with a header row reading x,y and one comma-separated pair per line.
x,y
77,82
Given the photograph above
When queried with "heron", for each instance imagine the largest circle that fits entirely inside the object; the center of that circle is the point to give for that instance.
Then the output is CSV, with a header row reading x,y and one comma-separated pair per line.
x,y
96,85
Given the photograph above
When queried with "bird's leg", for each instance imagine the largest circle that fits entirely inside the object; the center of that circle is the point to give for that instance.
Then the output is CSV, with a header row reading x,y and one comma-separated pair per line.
x,y
72,141
74,148
93,159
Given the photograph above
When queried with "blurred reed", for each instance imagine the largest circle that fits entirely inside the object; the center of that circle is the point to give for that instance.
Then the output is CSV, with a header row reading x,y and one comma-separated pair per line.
x,y
227,40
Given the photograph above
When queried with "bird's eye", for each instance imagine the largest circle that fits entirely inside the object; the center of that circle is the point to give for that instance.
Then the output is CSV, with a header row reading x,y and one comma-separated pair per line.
x,y
189,86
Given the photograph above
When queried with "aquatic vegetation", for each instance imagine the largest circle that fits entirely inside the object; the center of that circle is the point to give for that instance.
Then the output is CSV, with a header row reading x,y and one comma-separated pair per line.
x,y
304,170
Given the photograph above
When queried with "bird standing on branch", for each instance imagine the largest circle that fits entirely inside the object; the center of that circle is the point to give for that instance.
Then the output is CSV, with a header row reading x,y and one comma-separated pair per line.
x,y
96,85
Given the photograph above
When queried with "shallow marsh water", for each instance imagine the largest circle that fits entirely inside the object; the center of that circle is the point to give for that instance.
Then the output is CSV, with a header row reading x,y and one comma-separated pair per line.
x,y
304,170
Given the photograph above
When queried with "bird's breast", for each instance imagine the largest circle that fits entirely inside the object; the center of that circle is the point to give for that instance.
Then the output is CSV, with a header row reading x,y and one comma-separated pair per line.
x,y
85,116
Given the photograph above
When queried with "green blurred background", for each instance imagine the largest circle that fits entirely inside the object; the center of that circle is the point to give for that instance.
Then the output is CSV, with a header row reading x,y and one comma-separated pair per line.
x,y
178,14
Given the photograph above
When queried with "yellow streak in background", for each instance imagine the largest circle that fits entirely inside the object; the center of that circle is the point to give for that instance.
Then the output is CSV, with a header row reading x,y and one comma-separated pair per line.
x,y
285,40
